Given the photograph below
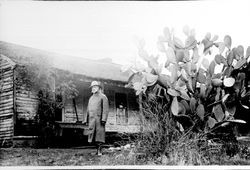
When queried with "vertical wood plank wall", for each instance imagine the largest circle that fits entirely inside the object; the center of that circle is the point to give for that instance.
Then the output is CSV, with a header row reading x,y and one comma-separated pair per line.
x,y
18,105
26,103
6,101
26,109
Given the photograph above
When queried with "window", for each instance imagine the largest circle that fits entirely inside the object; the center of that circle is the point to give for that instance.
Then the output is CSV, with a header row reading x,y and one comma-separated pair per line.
x,y
58,110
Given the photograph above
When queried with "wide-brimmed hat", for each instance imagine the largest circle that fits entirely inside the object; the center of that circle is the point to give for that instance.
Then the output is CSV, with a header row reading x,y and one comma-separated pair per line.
x,y
95,83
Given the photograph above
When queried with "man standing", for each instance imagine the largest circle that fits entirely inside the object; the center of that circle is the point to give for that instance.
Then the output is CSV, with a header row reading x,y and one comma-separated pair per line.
x,y
97,114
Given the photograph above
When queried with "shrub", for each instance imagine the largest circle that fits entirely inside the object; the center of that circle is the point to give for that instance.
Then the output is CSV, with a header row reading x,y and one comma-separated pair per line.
x,y
40,77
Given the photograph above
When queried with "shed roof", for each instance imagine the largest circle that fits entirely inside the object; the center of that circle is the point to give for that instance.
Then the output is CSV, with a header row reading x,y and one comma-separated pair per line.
x,y
102,69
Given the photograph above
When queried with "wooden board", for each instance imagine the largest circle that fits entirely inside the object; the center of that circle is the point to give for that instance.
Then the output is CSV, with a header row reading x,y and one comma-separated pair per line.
x,y
71,125
6,99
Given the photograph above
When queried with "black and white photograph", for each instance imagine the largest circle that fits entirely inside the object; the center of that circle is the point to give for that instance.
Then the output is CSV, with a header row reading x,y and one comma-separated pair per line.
x,y
125,84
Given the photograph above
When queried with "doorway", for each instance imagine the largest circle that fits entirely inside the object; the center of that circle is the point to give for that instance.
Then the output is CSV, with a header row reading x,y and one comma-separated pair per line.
x,y
121,108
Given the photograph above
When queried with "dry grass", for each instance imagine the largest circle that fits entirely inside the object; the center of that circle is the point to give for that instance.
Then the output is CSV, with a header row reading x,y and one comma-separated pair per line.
x,y
124,157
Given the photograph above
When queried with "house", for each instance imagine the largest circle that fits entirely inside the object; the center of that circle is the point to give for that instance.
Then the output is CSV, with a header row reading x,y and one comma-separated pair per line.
x,y
18,103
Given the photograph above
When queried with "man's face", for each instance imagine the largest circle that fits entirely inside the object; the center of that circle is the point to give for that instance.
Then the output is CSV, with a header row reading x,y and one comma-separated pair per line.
x,y
95,89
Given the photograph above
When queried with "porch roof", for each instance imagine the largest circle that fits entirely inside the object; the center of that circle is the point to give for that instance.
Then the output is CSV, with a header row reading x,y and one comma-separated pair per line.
x,y
99,69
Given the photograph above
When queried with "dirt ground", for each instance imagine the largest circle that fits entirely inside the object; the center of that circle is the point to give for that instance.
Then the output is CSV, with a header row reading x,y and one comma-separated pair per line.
x,y
50,157
85,156
66,153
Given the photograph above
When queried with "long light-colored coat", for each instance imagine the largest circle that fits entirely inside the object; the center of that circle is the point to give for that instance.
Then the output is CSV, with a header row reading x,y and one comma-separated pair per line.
x,y
97,111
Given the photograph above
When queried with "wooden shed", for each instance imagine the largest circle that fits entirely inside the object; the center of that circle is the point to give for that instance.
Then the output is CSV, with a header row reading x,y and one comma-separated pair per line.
x,y
18,104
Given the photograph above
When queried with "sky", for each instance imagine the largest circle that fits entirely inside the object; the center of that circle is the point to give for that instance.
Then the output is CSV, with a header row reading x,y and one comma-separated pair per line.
x,y
95,29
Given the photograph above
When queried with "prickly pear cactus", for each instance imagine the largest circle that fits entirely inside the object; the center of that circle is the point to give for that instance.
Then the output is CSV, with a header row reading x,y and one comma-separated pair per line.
x,y
195,77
